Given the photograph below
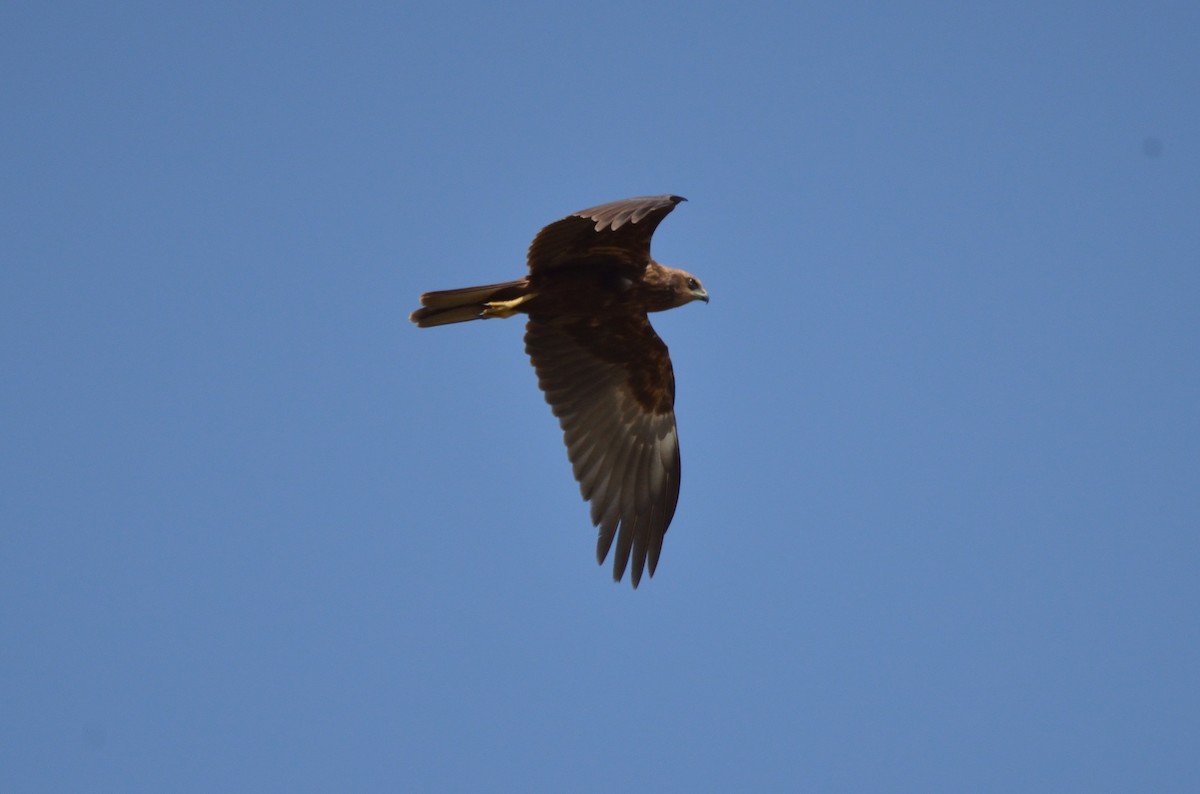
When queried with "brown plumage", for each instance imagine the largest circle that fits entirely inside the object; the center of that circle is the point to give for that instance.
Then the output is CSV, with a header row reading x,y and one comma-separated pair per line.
x,y
605,373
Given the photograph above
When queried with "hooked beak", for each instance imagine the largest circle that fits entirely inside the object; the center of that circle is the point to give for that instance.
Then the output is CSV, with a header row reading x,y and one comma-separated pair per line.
x,y
700,295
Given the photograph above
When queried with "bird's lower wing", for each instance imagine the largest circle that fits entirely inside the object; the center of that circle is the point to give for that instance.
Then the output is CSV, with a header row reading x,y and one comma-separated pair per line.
x,y
612,388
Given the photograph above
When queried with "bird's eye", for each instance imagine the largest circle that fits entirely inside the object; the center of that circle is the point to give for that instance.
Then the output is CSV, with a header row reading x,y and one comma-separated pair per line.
x,y
693,283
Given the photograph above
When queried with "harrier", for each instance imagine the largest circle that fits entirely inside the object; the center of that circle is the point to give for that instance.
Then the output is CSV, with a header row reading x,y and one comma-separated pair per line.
x,y
605,373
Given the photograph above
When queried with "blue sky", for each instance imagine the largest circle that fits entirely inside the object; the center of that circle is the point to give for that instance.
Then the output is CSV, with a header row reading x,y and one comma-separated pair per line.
x,y
941,446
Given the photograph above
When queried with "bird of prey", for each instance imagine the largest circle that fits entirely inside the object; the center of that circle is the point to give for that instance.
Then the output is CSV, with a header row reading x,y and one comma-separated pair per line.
x,y
604,371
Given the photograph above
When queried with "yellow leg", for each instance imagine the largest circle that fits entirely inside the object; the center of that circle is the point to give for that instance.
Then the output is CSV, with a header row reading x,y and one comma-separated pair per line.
x,y
503,308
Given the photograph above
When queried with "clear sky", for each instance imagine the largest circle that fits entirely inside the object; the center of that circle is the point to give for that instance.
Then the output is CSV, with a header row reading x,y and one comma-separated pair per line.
x,y
940,519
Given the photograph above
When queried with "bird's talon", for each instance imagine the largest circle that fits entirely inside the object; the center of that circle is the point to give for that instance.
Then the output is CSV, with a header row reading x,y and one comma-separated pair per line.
x,y
502,309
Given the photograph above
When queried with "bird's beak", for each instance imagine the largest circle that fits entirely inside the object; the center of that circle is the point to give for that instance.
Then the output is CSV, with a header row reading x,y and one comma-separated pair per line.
x,y
701,295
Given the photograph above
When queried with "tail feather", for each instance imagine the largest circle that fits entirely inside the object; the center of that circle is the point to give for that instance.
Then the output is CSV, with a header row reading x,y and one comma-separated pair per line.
x,y
461,305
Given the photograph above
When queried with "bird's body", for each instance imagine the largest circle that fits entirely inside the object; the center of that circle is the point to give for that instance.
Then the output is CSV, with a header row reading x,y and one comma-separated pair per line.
x,y
605,372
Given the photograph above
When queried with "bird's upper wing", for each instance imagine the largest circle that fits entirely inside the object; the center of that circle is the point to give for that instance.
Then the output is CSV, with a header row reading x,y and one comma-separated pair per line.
x,y
620,231
613,390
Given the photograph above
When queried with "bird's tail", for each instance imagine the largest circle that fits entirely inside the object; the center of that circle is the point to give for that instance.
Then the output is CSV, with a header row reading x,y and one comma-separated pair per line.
x,y
471,303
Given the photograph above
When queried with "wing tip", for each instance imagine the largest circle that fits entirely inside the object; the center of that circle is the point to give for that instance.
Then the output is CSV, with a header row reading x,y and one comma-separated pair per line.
x,y
616,214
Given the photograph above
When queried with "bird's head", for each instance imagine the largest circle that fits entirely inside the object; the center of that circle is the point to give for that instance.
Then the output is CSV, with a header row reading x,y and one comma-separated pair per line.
x,y
688,288
665,288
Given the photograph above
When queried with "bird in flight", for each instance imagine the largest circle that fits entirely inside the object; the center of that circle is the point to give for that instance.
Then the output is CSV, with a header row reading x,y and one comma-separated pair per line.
x,y
605,373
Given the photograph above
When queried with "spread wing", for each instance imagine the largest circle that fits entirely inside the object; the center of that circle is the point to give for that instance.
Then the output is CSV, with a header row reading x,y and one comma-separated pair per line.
x,y
619,231
613,390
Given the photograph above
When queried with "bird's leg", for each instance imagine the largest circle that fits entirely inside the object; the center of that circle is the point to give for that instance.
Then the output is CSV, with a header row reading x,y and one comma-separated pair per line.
x,y
503,308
